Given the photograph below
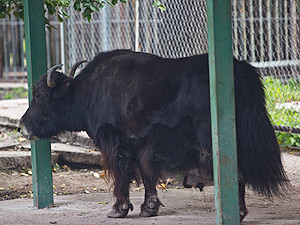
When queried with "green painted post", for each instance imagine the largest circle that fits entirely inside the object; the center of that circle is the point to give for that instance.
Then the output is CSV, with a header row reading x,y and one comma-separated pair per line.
x,y
223,111
36,66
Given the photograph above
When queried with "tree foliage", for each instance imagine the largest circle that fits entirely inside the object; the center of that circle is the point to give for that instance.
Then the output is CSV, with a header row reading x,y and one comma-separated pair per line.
x,y
58,8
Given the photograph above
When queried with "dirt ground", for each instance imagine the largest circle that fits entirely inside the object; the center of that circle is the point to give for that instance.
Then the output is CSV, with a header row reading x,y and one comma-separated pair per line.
x,y
188,203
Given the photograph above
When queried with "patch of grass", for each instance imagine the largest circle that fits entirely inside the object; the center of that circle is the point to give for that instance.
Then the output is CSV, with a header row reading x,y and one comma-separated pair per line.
x,y
280,93
16,93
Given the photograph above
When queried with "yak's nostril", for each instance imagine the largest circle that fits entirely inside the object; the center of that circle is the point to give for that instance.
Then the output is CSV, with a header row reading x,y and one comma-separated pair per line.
x,y
19,129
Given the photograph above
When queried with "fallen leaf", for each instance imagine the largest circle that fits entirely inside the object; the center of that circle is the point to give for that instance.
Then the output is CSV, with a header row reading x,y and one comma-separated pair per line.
x,y
97,175
137,189
170,180
162,186
103,175
21,139
103,203
24,174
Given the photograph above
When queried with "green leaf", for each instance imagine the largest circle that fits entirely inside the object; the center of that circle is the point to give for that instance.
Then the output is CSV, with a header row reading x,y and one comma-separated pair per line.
x,y
158,4
64,13
77,6
87,14
114,2
109,2
86,5
60,19
89,17
94,8
51,9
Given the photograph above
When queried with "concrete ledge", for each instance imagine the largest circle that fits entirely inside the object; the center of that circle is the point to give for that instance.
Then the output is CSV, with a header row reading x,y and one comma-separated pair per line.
x,y
66,154
11,111
76,156
18,160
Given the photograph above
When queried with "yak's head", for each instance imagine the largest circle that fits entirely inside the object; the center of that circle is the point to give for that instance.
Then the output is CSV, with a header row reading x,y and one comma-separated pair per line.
x,y
50,104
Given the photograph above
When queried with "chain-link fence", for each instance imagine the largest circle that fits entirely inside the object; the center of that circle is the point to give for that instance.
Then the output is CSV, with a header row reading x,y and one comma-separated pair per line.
x,y
12,47
265,33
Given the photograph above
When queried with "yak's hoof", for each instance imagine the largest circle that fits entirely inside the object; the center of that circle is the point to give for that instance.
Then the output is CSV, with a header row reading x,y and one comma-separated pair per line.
x,y
243,214
120,210
150,207
200,185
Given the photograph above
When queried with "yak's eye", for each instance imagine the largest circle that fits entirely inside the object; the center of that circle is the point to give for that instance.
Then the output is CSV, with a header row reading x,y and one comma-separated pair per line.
x,y
37,96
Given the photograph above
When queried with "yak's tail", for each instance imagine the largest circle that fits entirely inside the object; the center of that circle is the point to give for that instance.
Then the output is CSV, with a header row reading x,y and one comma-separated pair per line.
x,y
258,150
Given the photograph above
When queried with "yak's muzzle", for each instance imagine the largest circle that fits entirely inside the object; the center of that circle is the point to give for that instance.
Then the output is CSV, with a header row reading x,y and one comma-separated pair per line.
x,y
22,129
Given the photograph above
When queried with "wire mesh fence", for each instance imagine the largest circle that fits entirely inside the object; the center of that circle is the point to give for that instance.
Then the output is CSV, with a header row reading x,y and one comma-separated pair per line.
x,y
265,33
13,50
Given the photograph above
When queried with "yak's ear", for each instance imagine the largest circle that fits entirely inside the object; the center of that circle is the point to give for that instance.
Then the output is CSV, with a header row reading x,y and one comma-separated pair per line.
x,y
61,89
66,85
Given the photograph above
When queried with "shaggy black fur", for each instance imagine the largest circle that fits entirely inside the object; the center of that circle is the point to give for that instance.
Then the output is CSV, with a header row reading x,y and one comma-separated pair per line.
x,y
148,114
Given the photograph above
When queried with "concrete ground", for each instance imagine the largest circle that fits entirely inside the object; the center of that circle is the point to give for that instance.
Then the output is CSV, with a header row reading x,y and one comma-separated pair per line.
x,y
182,206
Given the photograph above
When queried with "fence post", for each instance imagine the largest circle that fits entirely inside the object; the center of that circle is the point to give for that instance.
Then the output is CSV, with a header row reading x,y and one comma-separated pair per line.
x,y
36,65
223,111
105,29
1,54
136,25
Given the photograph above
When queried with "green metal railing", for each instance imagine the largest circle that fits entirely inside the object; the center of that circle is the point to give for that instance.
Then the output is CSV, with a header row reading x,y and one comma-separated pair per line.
x,y
223,111
36,66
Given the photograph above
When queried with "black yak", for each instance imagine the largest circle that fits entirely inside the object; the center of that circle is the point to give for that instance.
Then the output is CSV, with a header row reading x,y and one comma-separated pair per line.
x,y
149,114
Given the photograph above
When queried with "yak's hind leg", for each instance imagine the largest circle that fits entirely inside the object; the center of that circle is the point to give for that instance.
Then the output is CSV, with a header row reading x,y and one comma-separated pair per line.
x,y
243,208
151,203
117,160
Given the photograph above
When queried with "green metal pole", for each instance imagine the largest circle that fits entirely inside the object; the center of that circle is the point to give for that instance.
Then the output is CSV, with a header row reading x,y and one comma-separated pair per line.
x,y
223,111
36,66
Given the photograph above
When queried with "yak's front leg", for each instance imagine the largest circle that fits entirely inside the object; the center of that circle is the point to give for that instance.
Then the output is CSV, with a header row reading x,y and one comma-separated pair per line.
x,y
118,162
151,203
123,204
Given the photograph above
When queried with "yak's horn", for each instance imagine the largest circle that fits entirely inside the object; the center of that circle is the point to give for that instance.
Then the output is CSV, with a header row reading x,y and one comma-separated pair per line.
x,y
51,83
74,67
